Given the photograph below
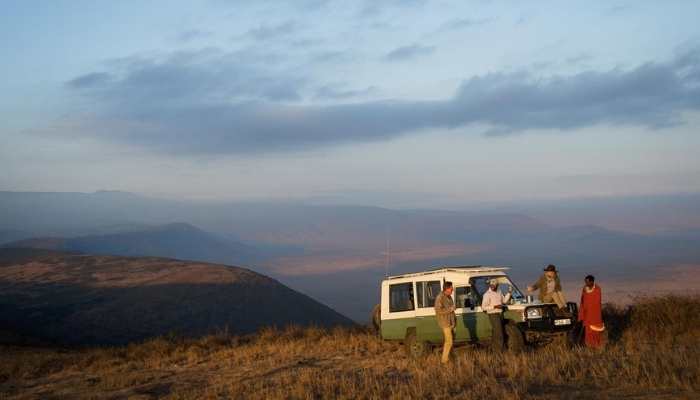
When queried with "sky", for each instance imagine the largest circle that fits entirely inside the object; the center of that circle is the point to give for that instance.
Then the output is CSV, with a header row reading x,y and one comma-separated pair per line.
x,y
396,103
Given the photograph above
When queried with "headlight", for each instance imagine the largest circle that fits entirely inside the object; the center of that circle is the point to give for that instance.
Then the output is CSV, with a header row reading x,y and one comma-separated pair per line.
x,y
534,313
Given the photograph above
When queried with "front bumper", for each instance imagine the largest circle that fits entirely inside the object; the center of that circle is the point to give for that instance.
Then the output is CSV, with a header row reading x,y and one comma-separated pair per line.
x,y
552,321
549,325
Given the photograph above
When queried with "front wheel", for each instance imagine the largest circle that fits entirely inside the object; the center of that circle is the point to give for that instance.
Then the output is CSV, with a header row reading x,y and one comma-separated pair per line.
x,y
415,348
514,338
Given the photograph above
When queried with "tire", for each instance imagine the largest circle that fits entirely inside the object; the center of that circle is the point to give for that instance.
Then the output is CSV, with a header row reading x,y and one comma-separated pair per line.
x,y
415,348
376,318
514,338
561,340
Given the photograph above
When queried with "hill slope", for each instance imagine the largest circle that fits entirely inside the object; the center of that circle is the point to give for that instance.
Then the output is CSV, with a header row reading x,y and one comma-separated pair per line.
x,y
83,299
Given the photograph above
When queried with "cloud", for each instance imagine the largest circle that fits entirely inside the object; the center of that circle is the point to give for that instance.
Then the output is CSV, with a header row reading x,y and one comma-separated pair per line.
x,y
408,52
89,80
191,77
335,93
618,9
204,104
307,42
329,56
581,58
303,5
269,32
463,23
372,8
191,35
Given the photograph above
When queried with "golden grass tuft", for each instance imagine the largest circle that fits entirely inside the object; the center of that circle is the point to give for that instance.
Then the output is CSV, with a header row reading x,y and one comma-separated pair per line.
x,y
653,352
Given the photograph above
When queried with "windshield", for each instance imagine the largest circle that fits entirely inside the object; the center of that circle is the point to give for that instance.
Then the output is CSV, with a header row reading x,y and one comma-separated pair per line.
x,y
481,285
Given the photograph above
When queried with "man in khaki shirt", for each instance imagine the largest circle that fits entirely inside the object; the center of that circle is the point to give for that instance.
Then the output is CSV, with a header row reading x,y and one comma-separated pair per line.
x,y
550,287
446,319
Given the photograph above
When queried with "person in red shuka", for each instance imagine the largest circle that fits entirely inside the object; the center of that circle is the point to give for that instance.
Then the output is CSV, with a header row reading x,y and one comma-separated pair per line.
x,y
590,313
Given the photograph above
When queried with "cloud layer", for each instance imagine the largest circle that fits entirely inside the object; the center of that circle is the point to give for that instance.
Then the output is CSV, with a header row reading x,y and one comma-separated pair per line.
x,y
235,103
409,52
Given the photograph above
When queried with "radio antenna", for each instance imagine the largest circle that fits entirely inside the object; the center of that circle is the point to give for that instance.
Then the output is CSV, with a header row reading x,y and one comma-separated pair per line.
x,y
387,254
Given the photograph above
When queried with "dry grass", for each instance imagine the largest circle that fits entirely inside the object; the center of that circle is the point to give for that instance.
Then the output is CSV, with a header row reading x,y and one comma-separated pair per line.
x,y
653,352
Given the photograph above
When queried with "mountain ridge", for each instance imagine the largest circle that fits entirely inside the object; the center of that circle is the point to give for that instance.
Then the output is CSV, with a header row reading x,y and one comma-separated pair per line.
x,y
175,240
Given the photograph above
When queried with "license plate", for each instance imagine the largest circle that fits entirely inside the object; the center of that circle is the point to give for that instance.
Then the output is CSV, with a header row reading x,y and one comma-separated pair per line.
x,y
566,321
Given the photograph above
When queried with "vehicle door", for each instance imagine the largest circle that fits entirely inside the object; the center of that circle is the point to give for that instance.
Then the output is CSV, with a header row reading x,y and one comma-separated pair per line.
x,y
398,310
481,326
466,311
426,326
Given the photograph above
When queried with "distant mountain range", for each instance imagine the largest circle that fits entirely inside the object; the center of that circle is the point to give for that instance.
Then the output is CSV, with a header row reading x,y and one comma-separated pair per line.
x,y
338,254
177,240
82,299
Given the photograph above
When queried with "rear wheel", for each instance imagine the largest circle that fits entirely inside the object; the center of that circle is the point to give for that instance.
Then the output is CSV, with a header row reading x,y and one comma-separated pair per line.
x,y
514,338
415,348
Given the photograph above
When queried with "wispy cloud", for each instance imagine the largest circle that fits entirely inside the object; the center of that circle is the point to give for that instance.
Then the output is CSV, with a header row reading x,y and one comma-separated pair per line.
x,y
371,8
408,52
192,35
579,59
463,23
192,77
328,56
90,80
337,93
268,32
182,105
618,9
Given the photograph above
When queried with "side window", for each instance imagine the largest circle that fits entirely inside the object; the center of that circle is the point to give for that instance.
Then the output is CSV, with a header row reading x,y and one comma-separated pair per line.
x,y
401,297
463,296
427,292
480,285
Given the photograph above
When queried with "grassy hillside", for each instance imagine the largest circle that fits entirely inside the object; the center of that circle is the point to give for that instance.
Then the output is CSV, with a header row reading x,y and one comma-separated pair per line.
x,y
653,352
82,299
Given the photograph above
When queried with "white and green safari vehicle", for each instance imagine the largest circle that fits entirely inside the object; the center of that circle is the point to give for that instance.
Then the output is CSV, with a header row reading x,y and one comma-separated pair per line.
x,y
406,312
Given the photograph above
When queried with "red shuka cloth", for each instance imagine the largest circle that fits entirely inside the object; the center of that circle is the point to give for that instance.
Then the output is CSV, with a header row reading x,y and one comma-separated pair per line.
x,y
590,314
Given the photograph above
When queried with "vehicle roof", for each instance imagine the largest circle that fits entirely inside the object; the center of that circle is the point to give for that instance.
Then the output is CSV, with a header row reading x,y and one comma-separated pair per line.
x,y
465,269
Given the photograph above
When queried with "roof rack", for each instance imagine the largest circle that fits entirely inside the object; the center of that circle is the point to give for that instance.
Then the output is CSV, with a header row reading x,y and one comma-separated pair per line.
x,y
463,269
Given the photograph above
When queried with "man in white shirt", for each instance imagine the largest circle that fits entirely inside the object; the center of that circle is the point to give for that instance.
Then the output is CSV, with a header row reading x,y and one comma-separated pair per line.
x,y
492,304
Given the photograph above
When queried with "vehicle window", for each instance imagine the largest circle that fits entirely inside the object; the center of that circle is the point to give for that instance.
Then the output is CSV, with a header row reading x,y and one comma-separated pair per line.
x,y
462,296
401,297
427,291
481,285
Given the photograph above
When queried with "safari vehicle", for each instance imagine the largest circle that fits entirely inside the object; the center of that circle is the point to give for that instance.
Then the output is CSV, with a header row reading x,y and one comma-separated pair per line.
x,y
406,312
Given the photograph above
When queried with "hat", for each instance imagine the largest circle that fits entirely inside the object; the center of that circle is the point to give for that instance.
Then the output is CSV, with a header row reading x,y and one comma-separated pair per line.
x,y
551,267
493,282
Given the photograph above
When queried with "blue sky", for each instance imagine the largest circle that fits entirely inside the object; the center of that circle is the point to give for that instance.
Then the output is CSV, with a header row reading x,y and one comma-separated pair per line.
x,y
399,103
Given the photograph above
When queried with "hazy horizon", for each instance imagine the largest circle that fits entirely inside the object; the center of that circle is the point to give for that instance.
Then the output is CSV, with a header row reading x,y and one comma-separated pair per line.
x,y
338,254
474,206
